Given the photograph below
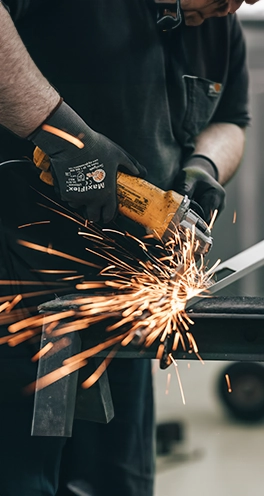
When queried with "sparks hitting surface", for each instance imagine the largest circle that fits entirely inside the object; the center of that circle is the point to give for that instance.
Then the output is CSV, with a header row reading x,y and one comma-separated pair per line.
x,y
146,294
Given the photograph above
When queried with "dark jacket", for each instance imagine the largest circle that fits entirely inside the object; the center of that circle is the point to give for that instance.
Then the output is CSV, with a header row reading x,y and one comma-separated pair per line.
x,y
151,92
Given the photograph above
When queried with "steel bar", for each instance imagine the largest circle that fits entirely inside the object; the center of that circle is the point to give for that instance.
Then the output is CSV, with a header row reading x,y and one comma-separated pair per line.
x,y
56,405
225,328
234,269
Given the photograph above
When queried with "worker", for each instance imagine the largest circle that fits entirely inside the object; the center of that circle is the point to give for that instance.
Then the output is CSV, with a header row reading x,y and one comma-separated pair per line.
x,y
159,89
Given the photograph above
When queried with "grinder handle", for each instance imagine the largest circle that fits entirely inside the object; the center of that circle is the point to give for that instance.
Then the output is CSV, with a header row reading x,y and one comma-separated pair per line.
x,y
138,200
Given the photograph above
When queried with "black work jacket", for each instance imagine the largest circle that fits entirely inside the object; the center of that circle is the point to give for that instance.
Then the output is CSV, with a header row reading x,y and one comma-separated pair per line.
x,y
151,92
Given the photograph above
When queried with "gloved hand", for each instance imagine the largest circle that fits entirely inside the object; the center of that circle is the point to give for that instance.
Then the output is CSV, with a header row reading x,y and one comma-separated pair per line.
x,y
84,163
199,181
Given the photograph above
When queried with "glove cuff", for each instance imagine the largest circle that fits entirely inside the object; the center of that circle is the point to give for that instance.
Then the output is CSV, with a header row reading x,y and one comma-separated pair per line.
x,y
203,162
61,131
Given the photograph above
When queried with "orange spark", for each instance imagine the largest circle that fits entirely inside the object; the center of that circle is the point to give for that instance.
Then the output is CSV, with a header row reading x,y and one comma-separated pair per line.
x,y
50,327
54,376
52,348
38,320
227,378
13,282
92,351
200,358
21,337
178,377
192,342
57,253
168,383
13,303
4,306
68,216
51,271
212,221
71,278
34,224
99,371
62,134
42,352
34,293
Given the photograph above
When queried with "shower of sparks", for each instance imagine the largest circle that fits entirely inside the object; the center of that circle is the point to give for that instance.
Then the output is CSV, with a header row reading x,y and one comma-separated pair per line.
x,y
143,294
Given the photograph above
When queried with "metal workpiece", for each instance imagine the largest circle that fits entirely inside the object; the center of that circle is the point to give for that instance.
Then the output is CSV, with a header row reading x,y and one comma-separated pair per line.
x,y
57,404
54,406
225,328
229,328
95,403
233,269
238,266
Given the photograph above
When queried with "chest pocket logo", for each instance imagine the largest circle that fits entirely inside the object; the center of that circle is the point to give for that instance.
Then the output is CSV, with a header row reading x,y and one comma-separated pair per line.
x,y
201,100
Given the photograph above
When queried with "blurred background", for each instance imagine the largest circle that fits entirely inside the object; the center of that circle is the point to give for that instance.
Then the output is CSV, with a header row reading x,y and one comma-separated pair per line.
x,y
203,446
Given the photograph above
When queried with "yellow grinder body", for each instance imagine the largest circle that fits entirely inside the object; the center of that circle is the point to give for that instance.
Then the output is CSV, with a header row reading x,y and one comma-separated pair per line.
x,y
160,212
157,210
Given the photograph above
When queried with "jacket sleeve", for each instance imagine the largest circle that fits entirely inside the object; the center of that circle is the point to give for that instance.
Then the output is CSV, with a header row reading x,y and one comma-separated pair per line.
x,y
234,104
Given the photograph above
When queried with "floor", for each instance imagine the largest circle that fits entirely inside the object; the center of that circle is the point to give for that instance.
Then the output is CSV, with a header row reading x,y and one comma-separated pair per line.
x,y
218,455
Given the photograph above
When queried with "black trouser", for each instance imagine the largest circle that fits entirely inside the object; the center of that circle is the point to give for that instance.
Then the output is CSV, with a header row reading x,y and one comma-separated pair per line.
x,y
114,459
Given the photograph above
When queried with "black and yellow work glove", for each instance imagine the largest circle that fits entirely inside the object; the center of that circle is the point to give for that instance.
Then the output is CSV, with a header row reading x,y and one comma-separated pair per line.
x,y
84,163
198,180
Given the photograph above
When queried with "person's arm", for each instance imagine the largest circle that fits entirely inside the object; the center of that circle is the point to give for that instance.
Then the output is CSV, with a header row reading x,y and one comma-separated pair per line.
x,y
224,144
84,163
26,97
219,147
217,155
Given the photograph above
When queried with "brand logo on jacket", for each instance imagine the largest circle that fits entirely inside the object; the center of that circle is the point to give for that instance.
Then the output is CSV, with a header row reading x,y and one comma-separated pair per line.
x,y
214,89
